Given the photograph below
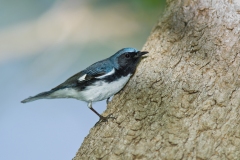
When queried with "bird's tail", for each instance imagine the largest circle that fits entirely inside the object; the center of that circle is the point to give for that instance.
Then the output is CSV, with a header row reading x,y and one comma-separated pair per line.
x,y
38,96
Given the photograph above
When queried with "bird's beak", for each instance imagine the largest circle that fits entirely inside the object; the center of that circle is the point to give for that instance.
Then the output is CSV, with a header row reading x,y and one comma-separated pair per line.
x,y
141,53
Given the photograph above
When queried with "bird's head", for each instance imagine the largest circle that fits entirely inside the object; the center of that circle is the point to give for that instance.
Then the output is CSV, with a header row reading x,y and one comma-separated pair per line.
x,y
127,58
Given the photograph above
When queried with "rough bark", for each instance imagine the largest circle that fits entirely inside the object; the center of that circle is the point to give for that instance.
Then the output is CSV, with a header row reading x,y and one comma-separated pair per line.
x,y
183,101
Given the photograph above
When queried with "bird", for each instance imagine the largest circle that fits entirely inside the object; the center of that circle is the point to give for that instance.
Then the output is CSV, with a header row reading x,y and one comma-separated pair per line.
x,y
97,82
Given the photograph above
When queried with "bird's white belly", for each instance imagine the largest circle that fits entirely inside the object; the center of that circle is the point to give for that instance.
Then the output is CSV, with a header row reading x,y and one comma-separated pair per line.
x,y
98,91
103,90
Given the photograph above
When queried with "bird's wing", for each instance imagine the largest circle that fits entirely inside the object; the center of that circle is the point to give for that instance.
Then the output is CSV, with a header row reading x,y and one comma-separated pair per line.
x,y
97,70
92,72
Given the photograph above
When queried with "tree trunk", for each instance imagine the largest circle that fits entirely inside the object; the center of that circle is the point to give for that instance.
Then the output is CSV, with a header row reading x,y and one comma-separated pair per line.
x,y
183,101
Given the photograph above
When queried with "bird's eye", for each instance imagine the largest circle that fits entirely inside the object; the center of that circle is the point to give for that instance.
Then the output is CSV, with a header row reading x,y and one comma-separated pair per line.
x,y
127,55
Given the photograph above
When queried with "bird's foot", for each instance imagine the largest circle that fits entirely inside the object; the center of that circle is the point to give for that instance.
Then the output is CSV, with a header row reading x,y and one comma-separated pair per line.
x,y
104,119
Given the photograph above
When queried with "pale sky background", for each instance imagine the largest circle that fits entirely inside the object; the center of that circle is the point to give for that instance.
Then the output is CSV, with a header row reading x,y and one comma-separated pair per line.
x,y
42,43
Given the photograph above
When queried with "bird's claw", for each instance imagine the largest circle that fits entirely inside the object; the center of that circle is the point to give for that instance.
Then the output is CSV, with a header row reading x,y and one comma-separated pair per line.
x,y
104,119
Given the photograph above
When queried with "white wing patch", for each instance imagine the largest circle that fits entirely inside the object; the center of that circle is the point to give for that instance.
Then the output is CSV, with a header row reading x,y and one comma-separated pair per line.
x,y
108,74
82,78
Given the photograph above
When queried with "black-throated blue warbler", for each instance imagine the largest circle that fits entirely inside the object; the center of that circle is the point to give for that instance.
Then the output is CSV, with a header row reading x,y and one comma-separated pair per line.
x,y
97,82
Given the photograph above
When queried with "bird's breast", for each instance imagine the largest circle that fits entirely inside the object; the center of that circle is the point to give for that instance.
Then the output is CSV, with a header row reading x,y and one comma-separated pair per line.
x,y
102,89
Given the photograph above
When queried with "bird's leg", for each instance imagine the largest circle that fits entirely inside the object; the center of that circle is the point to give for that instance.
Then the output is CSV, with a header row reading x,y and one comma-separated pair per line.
x,y
90,107
102,119
108,100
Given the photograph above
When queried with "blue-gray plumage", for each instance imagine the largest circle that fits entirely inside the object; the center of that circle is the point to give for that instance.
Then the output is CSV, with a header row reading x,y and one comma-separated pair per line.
x,y
99,81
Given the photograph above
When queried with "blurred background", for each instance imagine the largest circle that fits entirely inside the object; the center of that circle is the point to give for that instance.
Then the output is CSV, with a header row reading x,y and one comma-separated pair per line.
x,y
42,43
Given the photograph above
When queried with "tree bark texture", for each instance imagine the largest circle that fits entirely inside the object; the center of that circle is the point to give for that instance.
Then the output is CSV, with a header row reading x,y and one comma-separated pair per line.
x,y
184,100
